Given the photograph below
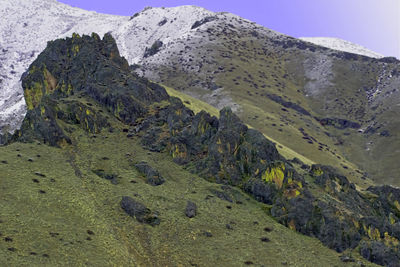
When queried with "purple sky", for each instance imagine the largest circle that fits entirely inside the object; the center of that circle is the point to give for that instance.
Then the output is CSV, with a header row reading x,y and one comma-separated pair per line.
x,y
374,24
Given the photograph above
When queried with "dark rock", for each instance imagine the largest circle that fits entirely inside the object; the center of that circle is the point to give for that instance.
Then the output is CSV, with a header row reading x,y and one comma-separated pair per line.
x,y
378,253
345,258
207,233
222,195
205,20
136,209
228,226
389,60
385,133
261,191
154,49
40,174
191,209
339,123
106,175
161,23
90,232
153,177
288,104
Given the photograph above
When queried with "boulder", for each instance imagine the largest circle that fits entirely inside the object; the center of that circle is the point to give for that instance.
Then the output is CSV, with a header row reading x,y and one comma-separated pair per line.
x,y
139,211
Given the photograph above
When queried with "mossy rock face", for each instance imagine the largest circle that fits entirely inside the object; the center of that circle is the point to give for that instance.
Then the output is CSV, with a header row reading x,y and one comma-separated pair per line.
x,y
222,150
82,67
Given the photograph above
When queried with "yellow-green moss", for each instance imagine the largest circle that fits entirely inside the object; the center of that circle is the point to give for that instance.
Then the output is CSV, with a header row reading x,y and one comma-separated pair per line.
x,y
390,240
50,81
374,233
318,171
33,95
397,204
75,50
275,174
392,219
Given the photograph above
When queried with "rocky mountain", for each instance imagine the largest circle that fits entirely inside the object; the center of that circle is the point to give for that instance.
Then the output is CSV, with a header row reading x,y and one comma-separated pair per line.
x,y
177,119
81,86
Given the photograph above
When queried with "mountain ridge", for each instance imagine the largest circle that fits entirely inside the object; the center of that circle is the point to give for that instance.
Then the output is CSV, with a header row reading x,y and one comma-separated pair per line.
x,y
17,58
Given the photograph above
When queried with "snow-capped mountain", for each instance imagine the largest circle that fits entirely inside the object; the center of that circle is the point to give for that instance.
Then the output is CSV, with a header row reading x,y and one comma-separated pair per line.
x,y
342,45
27,25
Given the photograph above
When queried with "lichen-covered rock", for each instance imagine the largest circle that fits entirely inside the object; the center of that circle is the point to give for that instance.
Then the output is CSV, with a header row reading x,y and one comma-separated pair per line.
x,y
263,192
139,211
82,67
191,209
378,253
153,177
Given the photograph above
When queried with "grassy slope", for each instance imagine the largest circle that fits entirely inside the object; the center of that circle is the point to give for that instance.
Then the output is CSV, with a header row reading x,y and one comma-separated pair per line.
x,y
54,223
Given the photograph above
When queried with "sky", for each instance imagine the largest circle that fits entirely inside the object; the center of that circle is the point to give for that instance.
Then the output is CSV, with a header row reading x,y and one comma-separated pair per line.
x,y
374,24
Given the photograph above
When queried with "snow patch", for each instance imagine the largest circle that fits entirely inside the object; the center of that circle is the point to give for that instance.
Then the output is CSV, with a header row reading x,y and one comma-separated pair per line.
x,y
342,45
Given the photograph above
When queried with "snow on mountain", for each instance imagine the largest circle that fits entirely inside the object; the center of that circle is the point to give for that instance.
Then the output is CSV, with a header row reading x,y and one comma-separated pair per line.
x,y
341,45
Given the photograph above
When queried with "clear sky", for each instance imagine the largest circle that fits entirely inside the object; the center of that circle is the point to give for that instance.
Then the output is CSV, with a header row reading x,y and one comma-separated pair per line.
x,y
374,24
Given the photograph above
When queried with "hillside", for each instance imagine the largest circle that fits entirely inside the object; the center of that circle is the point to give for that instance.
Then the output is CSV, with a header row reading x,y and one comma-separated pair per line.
x,y
74,170
129,147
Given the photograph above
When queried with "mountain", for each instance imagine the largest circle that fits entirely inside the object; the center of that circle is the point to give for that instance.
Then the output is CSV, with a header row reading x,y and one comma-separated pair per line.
x,y
207,55
249,119
341,45
142,165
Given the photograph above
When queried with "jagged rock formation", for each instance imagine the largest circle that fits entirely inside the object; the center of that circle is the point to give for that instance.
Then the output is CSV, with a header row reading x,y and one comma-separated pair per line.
x,y
72,68
69,82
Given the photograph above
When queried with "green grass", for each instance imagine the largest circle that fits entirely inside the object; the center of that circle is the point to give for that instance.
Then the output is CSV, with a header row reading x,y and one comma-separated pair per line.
x,y
56,221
